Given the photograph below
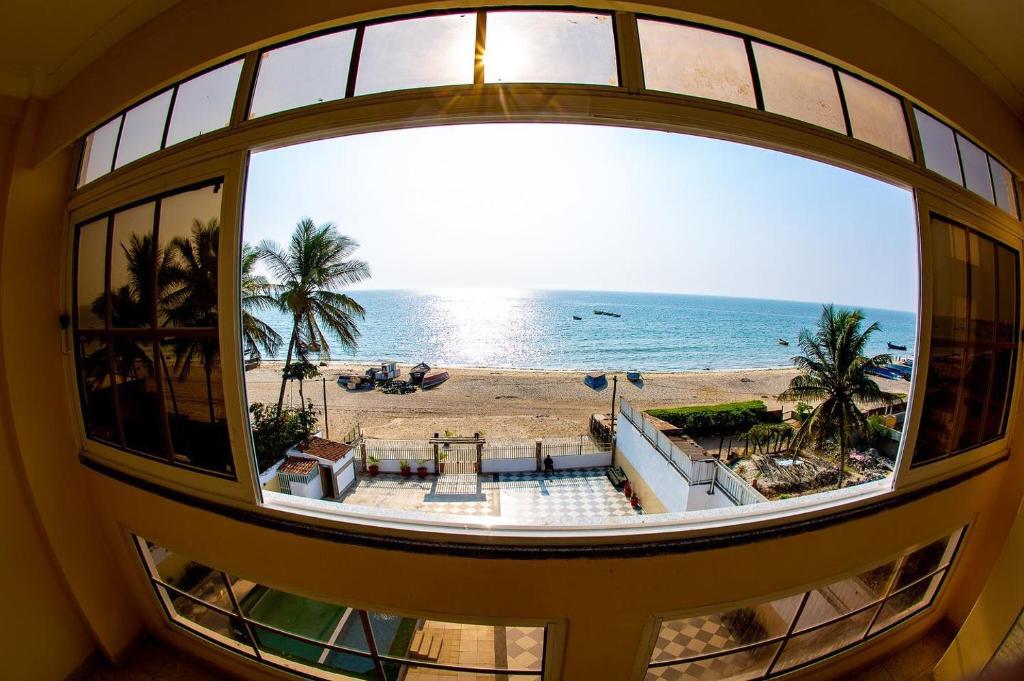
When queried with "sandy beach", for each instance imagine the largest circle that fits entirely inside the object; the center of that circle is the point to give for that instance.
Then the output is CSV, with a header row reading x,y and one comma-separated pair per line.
x,y
513,404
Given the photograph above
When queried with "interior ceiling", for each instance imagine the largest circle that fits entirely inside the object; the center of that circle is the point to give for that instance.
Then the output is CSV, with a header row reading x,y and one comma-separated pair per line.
x,y
45,43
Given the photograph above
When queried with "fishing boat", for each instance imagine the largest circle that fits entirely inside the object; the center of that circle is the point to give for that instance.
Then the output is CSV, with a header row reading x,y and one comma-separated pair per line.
x,y
597,381
577,318
634,376
783,341
904,370
433,380
893,346
606,314
883,372
417,373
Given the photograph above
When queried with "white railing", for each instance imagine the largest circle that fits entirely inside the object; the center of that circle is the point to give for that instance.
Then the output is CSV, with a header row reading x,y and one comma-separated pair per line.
x,y
708,471
396,450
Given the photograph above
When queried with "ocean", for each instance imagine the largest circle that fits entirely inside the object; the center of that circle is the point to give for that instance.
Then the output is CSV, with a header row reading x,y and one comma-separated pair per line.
x,y
530,329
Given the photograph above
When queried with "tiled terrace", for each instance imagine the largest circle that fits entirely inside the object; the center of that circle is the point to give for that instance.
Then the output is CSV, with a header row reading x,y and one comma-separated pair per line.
x,y
561,498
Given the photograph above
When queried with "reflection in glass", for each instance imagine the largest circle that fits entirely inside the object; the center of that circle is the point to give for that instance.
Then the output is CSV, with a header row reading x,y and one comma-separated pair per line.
x,y
197,579
876,116
741,666
143,129
189,241
203,104
1003,181
905,603
550,47
194,399
97,394
714,632
132,260
925,560
939,147
90,303
98,152
842,597
137,394
213,621
827,639
412,53
303,73
980,354
975,165
696,62
798,87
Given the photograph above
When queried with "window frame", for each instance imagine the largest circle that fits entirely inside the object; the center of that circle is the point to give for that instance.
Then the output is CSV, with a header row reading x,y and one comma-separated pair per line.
x,y
653,628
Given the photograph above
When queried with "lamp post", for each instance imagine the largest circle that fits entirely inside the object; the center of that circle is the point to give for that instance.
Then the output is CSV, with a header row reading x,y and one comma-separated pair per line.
x,y
615,387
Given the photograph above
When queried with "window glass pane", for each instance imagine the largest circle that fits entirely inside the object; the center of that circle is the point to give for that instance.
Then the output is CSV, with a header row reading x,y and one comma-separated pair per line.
x,y
307,657
876,116
224,627
550,47
98,153
683,638
97,395
694,61
1003,179
926,559
825,640
412,53
89,283
394,671
143,129
797,87
308,72
189,239
131,268
204,103
194,397
905,603
137,394
460,644
843,596
939,147
201,581
1006,333
949,337
305,617
980,354
746,664
975,163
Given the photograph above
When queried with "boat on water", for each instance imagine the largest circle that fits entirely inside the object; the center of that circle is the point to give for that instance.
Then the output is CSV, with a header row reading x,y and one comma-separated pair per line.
x,y
783,341
417,373
433,380
577,318
607,314
893,346
597,381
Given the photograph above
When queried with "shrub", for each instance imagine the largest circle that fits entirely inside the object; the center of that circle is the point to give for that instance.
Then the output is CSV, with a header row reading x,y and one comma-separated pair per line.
x,y
801,411
273,433
876,431
714,419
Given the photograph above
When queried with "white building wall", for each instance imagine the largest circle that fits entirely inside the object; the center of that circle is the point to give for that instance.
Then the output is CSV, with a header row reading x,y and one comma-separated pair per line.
x,y
314,490
671,488
581,460
700,500
508,465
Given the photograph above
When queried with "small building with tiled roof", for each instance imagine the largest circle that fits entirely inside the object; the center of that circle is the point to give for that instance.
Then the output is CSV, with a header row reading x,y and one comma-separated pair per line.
x,y
300,476
335,460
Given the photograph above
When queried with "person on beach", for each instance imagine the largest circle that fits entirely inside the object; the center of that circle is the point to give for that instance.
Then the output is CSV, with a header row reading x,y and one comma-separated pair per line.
x,y
549,465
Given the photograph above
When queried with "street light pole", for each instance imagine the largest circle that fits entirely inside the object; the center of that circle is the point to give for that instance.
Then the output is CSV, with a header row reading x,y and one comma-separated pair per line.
x,y
615,387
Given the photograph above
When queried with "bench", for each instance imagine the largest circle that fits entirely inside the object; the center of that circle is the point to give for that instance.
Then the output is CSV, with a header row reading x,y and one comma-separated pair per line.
x,y
617,476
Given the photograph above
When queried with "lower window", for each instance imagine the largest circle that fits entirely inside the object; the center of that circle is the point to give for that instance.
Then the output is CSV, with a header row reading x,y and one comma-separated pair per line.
x,y
763,640
321,640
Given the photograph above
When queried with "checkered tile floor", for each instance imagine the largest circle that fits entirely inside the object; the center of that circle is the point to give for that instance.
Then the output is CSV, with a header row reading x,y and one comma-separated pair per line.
x,y
698,636
583,496
472,645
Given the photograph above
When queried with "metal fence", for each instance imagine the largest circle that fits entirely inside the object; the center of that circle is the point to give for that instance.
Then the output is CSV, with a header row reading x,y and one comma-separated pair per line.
x,y
700,472
396,450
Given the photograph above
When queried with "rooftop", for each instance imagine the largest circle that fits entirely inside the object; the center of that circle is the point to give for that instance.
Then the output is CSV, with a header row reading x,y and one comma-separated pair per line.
x,y
324,449
295,465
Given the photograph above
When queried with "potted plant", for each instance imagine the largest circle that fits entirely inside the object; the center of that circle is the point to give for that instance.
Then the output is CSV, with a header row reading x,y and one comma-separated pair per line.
x,y
634,501
421,468
627,489
404,466
373,464
441,458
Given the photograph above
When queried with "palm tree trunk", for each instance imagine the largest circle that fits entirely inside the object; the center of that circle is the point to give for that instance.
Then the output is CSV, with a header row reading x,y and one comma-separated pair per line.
x,y
287,362
842,451
302,398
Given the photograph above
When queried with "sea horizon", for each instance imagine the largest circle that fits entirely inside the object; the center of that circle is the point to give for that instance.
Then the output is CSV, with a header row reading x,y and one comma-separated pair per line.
x,y
534,330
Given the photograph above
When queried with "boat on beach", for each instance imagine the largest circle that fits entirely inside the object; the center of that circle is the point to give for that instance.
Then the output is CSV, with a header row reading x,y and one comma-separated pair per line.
x,y
433,380
417,373
597,381
633,376
884,372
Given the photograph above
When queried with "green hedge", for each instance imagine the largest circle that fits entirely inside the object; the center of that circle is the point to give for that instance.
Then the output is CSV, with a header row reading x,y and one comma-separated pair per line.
x,y
714,419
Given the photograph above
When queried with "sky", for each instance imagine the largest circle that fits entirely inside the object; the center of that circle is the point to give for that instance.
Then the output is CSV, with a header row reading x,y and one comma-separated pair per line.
x,y
577,207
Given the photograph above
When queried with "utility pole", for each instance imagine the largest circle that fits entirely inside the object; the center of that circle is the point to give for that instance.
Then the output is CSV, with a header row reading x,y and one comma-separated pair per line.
x,y
615,387
327,421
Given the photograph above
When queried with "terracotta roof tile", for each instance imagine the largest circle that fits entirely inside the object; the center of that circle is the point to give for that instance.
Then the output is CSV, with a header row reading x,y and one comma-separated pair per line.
x,y
295,465
324,449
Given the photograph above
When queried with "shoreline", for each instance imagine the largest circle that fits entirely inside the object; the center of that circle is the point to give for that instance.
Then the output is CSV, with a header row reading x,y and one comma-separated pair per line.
x,y
353,365
514,403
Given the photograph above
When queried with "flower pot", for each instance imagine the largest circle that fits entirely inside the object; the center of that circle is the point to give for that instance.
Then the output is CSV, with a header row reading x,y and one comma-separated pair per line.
x,y
406,472
440,468
634,501
374,470
627,489
421,471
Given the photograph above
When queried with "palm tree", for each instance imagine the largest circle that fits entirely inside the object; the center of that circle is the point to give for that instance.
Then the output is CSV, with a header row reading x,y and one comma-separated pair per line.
x,y
316,263
834,371
191,300
257,296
